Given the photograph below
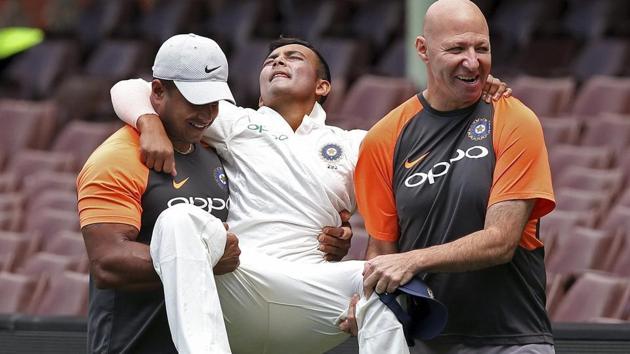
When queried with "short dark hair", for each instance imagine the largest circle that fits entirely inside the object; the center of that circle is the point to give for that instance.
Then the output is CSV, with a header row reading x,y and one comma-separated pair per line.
x,y
169,85
323,70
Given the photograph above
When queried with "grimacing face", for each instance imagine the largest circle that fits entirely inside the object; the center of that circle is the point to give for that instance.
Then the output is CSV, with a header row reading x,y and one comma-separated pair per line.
x,y
458,63
289,71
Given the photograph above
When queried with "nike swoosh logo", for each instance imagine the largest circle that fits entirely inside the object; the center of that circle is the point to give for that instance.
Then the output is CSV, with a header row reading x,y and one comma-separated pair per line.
x,y
410,164
208,71
179,185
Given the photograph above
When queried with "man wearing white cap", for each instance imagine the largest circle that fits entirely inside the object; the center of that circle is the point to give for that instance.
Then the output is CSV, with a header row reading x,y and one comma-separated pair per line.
x,y
120,199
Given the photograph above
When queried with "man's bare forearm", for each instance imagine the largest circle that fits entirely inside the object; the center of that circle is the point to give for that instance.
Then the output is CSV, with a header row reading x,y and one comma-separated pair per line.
x,y
130,269
117,260
492,246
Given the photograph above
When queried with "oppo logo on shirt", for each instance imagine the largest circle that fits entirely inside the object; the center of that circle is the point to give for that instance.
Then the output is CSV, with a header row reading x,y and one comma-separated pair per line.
x,y
261,129
207,204
441,168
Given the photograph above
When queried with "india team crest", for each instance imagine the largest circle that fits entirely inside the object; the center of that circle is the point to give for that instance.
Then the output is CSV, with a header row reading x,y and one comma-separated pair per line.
x,y
331,152
221,178
479,129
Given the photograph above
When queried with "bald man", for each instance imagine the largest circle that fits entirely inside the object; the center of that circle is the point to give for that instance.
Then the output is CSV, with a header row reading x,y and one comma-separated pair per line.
x,y
452,190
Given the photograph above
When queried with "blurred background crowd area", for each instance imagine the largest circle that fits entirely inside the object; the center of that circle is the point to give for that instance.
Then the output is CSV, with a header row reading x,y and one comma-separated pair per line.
x,y
568,60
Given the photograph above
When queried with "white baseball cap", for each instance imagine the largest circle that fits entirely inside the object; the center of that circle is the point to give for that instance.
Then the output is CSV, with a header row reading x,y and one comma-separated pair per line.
x,y
196,65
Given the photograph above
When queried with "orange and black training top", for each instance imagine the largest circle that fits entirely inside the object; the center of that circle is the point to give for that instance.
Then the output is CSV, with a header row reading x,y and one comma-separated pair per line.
x,y
426,177
114,186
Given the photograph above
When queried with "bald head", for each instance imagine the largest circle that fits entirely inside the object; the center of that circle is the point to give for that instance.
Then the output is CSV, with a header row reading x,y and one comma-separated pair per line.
x,y
455,47
453,15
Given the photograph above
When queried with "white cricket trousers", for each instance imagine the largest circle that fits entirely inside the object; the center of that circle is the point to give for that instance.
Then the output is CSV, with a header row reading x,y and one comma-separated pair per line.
x,y
267,305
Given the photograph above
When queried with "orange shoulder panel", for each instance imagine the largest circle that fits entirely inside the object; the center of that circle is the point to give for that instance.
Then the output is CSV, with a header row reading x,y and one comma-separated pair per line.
x,y
112,181
522,166
373,176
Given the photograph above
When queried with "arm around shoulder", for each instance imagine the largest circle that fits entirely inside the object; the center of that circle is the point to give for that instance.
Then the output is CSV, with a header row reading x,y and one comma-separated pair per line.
x,y
130,99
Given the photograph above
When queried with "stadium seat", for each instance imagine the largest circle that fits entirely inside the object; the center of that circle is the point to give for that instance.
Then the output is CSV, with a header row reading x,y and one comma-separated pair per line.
x,y
623,163
593,295
388,15
557,286
15,292
244,81
559,223
27,162
44,264
370,99
392,61
164,19
56,301
41,181
12,201
48,223
67,243
83,98
100,19
53,199
563,157
592,205
11,220
13,249
560,130
26,124
624,199
518,20
41,67
116,59
33,243
82,138
608,130
603,94
85,95
621,264
546,97
547,56
587,19
306,19
602,57
232,24
347,58
8,182
609,181
617,219
579,250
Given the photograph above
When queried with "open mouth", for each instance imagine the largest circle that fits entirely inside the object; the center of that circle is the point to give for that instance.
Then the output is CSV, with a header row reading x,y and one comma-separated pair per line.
x,y
468,79
279,74
199,125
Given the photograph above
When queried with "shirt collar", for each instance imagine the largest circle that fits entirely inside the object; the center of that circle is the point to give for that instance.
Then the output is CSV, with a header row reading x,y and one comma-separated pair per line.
x,y
316,119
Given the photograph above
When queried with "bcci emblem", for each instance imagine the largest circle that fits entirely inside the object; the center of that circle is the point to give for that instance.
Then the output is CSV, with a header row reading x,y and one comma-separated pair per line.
x,y
479,129
331,152
430,293
220,178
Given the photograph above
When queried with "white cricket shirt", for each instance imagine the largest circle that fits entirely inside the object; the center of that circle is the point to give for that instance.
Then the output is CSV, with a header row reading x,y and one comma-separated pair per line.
x,y
285,186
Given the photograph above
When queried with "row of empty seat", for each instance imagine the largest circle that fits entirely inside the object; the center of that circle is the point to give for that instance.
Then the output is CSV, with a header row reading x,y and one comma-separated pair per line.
x,y
588,297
